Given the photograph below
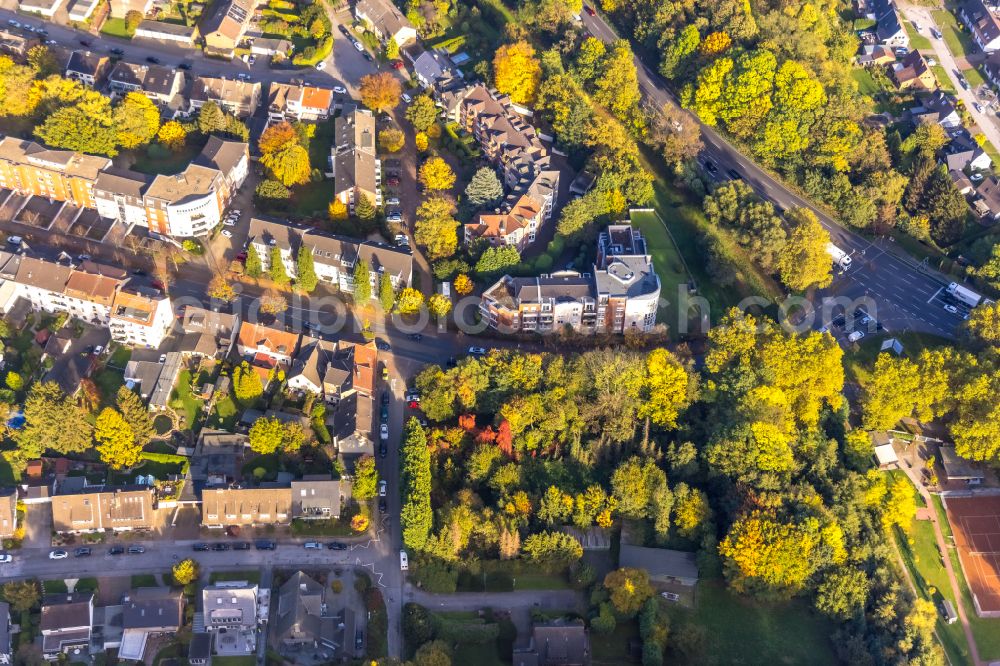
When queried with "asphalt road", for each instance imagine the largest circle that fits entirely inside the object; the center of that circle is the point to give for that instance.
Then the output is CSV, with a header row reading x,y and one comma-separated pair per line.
x,y
901,290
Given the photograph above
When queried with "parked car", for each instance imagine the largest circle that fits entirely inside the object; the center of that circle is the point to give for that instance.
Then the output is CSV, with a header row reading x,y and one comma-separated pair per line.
x,y
384,413
357,46
382,451
404,563
84,42
382,486
116,550
397,64
58,554
220,546
393,181
406,98
241,545
855,336
336,545
321,65
590,10
344,31
116,51
951,308
412,396
252,60
383,431
264,544
153,59
199,547
477,351
385,397
936,33
5,558
416,337
359,639
382,345
312,545
227,233
184,66
229,222
392,201
382,506
136,550
82,552
340,90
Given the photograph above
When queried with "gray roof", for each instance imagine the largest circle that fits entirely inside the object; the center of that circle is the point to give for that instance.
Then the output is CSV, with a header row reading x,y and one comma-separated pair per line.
x,y
303,612
221,154
66,611
984,22
230,603
151,607
314,496
4,628
957,467
659,561
85,62
200,647
557,643
175,29
160,395
386,17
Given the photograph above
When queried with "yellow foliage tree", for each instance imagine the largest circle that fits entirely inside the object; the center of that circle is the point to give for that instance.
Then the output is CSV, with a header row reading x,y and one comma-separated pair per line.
x,y
115,440
172,135
435,174
462,284
516,72
185,572
715,43
420,141
804,261
410,301
338,210
438,305
380,92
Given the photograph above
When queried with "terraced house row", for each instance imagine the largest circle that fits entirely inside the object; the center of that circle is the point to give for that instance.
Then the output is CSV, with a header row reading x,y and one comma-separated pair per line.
x,y
183,205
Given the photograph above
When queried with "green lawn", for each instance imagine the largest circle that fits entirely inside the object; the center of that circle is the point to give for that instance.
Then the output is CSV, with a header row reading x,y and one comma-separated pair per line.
x,y
494,653
116,28
120,357
973,76
741,630
540,581
866,84
612,649
917,41
955,36
108,381
985,630
183,401
144,580
155,160
54,587
312,199
224,415
944,82
667,261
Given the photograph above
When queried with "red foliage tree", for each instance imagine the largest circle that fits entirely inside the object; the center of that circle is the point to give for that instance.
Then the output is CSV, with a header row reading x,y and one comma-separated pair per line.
x,y
505,439
467,422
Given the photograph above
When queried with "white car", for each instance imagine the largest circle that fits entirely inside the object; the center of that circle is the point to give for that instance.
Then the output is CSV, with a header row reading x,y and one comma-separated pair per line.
x,y
227,233
340,90
407,98
404,562
381,488
394,201
13,23
6,558
58,555
383,432
855,336
357,45
313,545
229,222
477,351
321,65
978,106
951,308
236,211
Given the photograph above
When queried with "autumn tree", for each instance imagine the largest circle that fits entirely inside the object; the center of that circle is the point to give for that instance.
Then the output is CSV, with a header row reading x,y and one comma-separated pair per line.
x,y
172,135
365,485
435,174
380,92
804,261
185,572
211,118
136,414
132,20
116,442
422,112
416,518
268,435
276,267
305,270
438,305
553,551
362,291
273,302
220,288
409,301
136,119
891,394
22,595
984,323
462,284
247,386
391,140
628,590
495,260
284,155
86,126
435,228
338,210
516,72
52,421
253,267
14,381
420,142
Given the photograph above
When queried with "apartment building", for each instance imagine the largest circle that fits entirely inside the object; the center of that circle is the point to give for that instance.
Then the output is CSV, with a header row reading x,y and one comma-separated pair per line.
x,y
318,497
518,224
288,101
148,612
30,168
239,98
160,84
224,30
334,370
120,510
334,256
357,170
140,317
245,507
207,333
620,294
983,20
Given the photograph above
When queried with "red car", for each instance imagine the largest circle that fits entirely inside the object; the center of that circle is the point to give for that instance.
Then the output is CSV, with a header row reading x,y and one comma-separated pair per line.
x,y
413,404
397,64
158,284
393,181
590,10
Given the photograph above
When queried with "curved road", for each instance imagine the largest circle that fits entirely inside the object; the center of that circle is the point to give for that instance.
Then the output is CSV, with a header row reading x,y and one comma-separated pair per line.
x,y
905,293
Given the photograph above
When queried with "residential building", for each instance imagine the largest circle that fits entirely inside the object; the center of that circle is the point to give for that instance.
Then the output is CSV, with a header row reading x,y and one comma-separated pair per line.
x,y
663,565
991,68
51,287
30,168
200,649
239,98
140,317
172,33
983,23
230,158
334,370
962,182
913,73
988,193
160,84
265,46
81,10
937,108
334,257
386,20
16,43
120,510
288,101
889,28
207,333
518,224
66,624
218,457
431,66
118,195
245,507
121,8
88,68
224,30
357,170
265,346
318,497
8,517
874,54
230,611
963,152
6,648
960,470
149,612
556,643
305,618
46,8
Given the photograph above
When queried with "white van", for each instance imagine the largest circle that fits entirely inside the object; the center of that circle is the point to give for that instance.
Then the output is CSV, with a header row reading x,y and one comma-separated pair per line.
x,y
404,562
15,241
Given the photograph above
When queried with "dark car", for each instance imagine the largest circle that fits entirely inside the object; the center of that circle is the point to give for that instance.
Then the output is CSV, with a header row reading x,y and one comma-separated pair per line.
x,y
734,174
81,552
136,550
220,546
199,547
368,56
416,337
343,30
382,450
710,167
382,506
116,550
383,345
241,545
384,413
84,42
590,10
263,544
116,51
153,59
336,545
385,397
184,65
359,639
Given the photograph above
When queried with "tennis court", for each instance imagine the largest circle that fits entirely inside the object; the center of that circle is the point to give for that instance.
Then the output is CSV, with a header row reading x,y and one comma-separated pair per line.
x,y
975,522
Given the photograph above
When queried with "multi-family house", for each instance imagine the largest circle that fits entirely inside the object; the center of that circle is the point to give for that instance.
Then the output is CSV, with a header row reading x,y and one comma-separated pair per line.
x,y
118,195
386,20
318,497
357,170
913,73
982,19
120,510
431,66
160,84
265,346
140,317
148,612
620,294
239,98
66,624
88,68
289,101
207,333
334,370
245,507
85,292
334,257
231,614
517,224
46,8
888,26
171,33
937,108
555,643
306,617
8,514
29,168
224,30
230,158
17,43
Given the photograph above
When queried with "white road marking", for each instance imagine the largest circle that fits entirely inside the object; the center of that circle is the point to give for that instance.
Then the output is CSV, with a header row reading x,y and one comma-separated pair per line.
x,y
935,294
